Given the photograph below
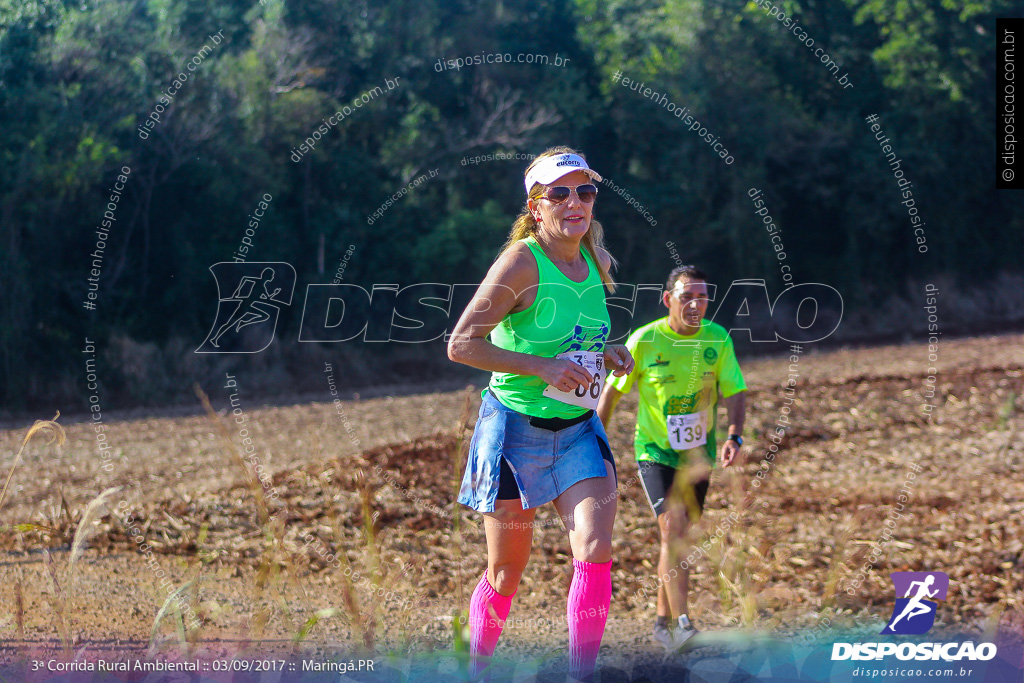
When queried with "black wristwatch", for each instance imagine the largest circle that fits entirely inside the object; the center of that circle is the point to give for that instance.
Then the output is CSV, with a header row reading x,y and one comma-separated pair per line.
x,y
737,438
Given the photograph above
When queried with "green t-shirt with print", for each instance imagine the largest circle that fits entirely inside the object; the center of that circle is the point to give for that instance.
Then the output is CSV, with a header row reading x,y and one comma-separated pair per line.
x,y
679,378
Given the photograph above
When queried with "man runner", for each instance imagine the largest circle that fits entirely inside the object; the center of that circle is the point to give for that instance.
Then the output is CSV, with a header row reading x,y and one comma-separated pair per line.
x,y
682,362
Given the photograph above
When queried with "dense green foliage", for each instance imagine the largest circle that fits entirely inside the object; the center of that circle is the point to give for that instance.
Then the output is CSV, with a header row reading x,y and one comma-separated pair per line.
x,y
77,79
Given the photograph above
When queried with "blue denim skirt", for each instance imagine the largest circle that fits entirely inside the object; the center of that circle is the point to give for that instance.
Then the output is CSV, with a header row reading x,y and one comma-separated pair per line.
x,y
544,463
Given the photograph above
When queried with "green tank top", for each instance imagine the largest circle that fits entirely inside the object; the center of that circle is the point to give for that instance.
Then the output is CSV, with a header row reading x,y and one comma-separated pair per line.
x,y
564,316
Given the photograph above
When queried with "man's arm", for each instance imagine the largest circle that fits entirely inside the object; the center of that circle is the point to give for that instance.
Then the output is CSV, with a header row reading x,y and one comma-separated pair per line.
x,y
606,406
736,407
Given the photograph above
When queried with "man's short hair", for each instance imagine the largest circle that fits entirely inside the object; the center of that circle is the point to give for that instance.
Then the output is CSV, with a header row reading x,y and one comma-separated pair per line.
x,y
689,272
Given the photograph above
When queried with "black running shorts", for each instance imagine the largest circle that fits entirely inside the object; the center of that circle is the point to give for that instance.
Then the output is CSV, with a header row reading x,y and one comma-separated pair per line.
x,y
657,480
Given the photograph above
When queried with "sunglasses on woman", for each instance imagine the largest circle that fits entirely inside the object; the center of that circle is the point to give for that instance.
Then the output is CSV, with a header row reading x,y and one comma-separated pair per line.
x,y
558,194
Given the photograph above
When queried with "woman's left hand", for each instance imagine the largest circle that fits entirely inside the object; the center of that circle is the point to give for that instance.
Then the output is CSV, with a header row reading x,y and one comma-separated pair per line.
x,y
618,358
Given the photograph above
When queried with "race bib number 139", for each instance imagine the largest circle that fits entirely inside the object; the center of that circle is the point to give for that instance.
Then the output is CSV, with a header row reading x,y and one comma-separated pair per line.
x,y
687,431
582,396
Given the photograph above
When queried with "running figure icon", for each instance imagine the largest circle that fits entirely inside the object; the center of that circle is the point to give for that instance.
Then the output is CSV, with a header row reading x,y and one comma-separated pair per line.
x,y
259,292
250,304
916,606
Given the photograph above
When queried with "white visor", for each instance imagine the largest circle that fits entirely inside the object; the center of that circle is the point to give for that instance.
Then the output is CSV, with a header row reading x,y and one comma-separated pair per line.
x,y
554,167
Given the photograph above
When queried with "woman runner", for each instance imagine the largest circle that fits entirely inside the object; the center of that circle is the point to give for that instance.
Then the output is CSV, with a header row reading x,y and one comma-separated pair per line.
x,y
537,438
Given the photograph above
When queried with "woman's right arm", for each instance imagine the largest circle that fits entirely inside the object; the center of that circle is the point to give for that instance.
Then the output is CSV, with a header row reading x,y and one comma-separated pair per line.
x,y
506,283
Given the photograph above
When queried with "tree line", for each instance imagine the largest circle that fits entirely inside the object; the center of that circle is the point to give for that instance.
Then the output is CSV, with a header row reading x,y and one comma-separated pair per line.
x,y
207,102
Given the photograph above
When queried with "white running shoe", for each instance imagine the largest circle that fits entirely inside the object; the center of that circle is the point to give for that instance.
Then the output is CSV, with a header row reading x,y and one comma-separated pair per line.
x,y
663,636
680,636
675,638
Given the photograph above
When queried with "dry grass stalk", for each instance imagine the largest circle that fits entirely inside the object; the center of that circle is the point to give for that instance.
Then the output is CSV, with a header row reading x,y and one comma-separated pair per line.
x,y
57,434
348,594
58,602
19,608
62,600
311,622
192,635
268,570
258,624
460,616
270,580
374,614
835,563
459,453
171,603
254,485
81,536
358,619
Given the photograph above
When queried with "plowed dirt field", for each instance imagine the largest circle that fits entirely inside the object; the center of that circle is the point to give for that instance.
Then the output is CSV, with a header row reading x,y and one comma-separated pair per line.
x,y
367,488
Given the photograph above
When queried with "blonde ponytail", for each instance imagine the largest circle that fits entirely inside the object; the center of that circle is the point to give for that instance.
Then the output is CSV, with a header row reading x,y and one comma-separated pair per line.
x,y
526,225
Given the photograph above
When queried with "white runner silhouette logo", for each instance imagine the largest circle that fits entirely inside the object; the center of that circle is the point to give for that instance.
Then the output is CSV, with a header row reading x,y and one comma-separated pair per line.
x,y
914,612
258,291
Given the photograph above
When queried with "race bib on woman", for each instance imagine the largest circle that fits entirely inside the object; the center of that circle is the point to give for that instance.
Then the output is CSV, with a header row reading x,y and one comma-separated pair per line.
x,y
687,431
582,396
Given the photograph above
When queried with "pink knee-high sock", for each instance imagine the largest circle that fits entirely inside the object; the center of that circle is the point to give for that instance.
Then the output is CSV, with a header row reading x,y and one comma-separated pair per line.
x,y
488,610
589,597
